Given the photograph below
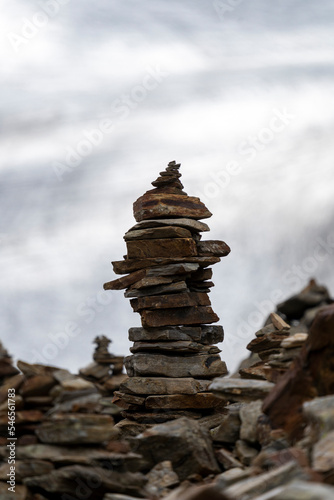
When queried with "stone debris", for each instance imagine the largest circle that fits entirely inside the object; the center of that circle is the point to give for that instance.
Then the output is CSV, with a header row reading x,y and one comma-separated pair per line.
x,y
67,444
168,281
280,341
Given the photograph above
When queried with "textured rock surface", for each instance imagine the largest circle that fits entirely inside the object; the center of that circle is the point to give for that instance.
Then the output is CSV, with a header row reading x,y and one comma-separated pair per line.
x,y
183,442
200,366
310,375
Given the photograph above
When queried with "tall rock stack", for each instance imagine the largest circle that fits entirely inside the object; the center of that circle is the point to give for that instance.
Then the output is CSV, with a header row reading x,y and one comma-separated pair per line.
x,y
168,280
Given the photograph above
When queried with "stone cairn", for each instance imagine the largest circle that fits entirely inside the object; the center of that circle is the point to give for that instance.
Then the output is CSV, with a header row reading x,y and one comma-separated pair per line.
x,y
168,280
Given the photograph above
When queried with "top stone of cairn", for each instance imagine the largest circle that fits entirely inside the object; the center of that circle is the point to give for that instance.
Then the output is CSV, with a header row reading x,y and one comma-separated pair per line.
x,y
168,199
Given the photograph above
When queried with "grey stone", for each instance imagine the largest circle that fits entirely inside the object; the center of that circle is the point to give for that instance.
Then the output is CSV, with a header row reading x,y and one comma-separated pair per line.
x,y
249,415
205,334
250,488
241,389
320,412
184,442
229,428
162,385
160,479
197,366
300,490
193,225
244,452
323,454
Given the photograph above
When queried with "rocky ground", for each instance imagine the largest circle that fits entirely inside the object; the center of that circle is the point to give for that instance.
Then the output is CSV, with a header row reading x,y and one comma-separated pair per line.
x,y
271,435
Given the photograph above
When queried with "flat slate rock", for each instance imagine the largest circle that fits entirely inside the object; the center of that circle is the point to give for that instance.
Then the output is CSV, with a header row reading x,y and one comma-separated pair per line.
x,y
157,232
173,269
176,347
170,301
198,366
153,281
300,490
241,389
162,385
155,204
193,225
129,265
202,401
205,334
175,247
76,428
213,247
125,281
178,286
178,316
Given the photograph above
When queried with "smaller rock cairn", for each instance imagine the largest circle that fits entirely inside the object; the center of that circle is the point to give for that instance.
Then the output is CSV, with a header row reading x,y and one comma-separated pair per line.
x,y
168,280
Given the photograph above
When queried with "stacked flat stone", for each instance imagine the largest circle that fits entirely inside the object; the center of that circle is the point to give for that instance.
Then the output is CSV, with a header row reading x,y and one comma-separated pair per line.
x,y
168,280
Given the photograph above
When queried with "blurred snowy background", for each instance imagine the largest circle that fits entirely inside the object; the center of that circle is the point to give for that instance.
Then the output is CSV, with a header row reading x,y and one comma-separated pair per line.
x,y
97,97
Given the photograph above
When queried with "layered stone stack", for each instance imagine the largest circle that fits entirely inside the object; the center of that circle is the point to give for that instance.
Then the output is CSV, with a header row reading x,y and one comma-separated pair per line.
x,y
280,341
168,281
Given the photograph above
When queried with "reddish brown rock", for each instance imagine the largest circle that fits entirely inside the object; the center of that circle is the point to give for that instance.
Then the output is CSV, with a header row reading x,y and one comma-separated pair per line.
x,y
204,400
130,265
171,301
125,281
157,232
191,224
197,366
178,286
155,204
213,247
162,385
178,316
205,334
310,375
178,346
177,247
269,341
39,385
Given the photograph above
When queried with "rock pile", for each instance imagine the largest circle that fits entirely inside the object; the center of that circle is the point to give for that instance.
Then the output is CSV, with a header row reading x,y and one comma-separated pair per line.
x,y
168,281
280,341
66,438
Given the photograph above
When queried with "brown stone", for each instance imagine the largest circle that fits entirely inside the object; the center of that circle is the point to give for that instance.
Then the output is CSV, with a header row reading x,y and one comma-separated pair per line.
x,y
278,322
160,416
310,375
183,402
25,469
182,346
158,232
152,281
183,442
162,205
13,382
125,281
65,481
178,316
205,334
213,247
172,269
177,247
191,224
162,385
129,265
76,428
39,385
198,366
242,390
178,286
202,275
269,341
171,301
